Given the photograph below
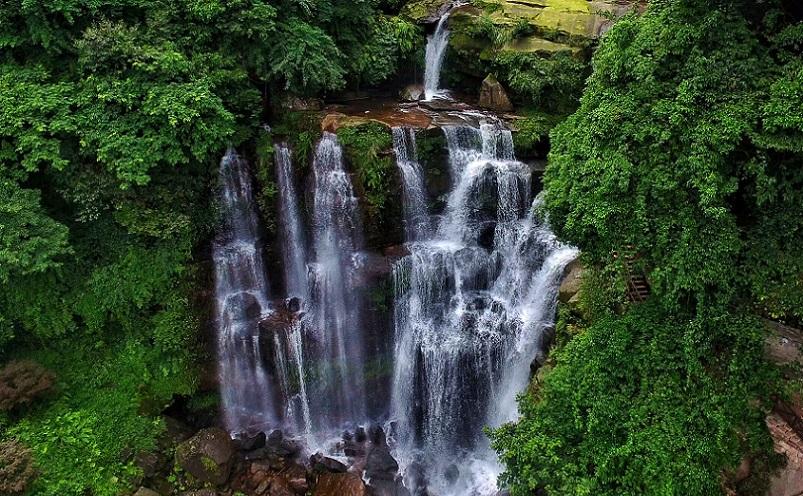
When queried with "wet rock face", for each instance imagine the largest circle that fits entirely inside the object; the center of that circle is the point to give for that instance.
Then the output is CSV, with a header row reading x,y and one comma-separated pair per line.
x,y
340,485
207,456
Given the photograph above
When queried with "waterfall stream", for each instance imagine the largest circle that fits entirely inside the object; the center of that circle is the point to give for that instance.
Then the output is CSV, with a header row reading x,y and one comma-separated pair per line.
x,y
435,53
241,290
473,302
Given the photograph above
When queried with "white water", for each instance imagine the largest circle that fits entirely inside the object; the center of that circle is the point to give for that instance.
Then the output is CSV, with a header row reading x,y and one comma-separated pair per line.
x,y
294,253
435,53
416,219
337,397
248,395
473,302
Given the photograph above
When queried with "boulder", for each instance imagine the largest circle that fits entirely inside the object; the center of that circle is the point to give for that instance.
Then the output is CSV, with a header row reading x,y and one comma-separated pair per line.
x,y
249,443
570,286
339,485
380,464
326,464
207,456
493,95
144,491
412,93
296,477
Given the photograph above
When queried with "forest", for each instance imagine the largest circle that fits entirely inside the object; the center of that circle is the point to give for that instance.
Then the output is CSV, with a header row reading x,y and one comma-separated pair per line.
x,y
245,251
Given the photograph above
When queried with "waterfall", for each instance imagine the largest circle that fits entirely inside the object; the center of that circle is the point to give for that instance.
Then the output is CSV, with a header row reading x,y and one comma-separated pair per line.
x,y
248,395
337,397
416,220
473,302
435,52
294,255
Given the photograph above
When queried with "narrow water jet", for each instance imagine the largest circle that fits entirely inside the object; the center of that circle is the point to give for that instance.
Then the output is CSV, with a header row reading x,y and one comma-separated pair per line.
x,y
249,397
294,252
435,53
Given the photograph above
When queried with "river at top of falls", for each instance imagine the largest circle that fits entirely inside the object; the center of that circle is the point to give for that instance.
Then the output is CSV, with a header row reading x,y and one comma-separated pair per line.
x,y
474,301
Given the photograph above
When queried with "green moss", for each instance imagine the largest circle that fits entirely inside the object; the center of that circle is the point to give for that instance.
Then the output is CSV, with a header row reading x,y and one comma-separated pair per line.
x,y
367,148
267,188
301,130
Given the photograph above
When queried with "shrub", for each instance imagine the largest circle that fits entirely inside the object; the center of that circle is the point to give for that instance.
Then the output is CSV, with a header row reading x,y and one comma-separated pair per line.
x,y
22,381
16,468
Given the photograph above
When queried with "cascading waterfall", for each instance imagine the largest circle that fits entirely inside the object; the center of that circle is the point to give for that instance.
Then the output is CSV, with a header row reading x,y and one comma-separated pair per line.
x,y
473,300
337,396
247,392
435,53
416,219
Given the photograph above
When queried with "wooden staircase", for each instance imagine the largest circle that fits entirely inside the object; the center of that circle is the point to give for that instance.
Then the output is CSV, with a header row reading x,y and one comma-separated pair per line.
x,y
638,288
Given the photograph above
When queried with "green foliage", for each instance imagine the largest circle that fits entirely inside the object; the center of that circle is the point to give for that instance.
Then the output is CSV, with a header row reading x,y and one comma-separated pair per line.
x,y
643,404
367,148
552,83
30,241
686,147
533,130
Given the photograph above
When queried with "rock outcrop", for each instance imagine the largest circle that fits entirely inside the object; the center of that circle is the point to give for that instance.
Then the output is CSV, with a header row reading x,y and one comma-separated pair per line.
x,y
346,484
493,95
207,456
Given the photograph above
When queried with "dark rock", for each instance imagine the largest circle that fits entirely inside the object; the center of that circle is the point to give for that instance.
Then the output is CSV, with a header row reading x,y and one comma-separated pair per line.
x,y
342,484
359,435
416,478
380,464
149,463
207,456
493,95
379,487
378,436
200,492
412,93
326,464
294,304
250,443
296,476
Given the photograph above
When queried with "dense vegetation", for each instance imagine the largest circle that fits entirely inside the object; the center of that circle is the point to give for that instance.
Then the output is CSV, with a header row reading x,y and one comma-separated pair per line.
x,y
686,150
114,115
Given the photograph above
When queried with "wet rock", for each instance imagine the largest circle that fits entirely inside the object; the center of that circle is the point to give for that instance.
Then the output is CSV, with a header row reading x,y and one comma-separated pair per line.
x,y
343,484
493,95
296,477
248,304
412,93
294,304
144,491
416,479
570,286
250,443
326,464
359,435
387,488
451,474
380,464
207,456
